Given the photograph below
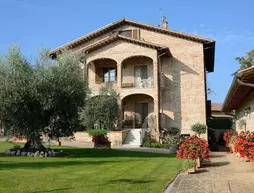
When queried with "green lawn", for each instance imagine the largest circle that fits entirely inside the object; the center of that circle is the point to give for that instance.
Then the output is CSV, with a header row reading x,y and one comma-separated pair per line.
x,y
87,171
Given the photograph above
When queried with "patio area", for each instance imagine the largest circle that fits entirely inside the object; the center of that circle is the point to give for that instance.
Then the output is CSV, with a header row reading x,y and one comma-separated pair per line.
x,y
225,173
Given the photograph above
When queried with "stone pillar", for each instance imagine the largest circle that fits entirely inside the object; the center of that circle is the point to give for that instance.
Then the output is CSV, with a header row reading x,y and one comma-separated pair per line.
x,y
156,100
119,86
119,76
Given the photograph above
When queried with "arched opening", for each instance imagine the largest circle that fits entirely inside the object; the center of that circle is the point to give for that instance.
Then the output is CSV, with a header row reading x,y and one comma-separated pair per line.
x,y
102,70
137,71
138,111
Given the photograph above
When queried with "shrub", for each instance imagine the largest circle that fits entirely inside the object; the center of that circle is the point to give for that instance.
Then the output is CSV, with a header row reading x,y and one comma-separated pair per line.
x,y
148,138
199,128
228,134
173,131
193,148
154,145
97,132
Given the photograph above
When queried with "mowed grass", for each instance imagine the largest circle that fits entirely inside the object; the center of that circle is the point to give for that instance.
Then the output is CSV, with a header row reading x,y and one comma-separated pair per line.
x,y
87,171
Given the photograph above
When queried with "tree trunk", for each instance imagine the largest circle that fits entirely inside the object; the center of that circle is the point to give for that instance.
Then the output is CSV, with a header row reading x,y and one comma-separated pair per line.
x,y
34,144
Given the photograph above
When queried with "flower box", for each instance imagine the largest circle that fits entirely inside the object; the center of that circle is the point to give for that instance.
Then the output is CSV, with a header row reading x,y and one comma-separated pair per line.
x,y
102,146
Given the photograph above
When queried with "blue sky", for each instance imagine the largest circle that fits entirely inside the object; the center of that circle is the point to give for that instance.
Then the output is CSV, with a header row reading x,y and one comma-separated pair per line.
x,y
50,23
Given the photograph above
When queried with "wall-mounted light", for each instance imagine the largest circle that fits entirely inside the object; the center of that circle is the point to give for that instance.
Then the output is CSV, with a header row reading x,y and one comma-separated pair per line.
x,y
246,111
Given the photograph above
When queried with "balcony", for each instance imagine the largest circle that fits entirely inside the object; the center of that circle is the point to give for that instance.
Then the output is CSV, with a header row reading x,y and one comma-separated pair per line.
x,y
137,72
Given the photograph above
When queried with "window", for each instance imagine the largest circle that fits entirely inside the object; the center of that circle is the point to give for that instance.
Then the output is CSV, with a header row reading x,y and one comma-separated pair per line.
x,y
109,74
126,33
135,33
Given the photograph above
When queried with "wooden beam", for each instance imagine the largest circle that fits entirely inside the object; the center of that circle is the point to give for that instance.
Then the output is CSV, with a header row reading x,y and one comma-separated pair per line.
x,y
245,84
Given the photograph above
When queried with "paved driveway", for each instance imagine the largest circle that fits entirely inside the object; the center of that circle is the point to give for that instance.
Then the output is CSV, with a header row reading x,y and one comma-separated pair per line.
x,y
224,174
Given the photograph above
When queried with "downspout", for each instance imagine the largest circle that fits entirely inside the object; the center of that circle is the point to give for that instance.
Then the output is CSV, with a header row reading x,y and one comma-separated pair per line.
x,y
159,90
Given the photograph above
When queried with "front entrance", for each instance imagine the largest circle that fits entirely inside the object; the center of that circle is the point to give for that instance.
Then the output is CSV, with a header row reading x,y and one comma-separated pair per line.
x,y
138,111
141,112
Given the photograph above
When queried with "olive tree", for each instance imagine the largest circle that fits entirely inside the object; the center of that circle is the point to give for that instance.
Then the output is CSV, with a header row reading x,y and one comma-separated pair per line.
x,y
101,111
246,61
41,99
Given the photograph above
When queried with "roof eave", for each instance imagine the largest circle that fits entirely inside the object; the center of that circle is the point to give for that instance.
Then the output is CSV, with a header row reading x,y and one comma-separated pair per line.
x,y
123,21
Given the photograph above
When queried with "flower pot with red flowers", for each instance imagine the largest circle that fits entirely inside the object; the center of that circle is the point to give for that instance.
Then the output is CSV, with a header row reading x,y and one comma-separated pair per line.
x,y
244,145
189,166
198,162
193,148
100,139
227,136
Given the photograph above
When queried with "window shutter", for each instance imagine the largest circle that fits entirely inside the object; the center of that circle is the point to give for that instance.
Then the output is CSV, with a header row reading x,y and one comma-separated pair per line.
x,y
98,75
135,33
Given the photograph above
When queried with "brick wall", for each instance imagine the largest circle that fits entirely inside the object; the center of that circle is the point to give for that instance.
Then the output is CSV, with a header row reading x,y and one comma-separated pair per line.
x,y
183,99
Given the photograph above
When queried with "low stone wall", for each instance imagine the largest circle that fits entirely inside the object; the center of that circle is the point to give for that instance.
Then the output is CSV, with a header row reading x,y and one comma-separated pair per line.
x,y
115,137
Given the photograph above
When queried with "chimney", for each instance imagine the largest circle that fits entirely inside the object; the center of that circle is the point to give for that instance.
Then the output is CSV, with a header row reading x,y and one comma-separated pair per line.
x,y
164,23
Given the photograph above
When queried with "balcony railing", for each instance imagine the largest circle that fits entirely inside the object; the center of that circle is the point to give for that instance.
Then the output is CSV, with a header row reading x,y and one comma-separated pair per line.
x,y
139,83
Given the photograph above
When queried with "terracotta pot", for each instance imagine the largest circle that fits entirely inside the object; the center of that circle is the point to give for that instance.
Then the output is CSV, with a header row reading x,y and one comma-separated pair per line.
x,y
198,162
192,170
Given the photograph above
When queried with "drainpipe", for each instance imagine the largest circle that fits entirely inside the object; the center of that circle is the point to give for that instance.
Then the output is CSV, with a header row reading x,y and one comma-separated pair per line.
x,y
158,85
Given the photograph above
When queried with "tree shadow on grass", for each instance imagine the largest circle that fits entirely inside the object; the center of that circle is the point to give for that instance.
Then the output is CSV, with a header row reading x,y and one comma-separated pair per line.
x,y
50,164
96,153
103,153
54,190
129,181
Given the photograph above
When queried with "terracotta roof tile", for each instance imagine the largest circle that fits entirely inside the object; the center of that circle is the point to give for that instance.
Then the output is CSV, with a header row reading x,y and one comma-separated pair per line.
x,y
216,106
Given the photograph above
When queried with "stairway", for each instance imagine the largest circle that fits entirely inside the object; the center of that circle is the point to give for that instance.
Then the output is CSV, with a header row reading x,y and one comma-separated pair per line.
x,y
133,138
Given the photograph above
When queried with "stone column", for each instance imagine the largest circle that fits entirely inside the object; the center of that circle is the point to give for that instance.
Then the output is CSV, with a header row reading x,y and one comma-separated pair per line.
x,y
119,76
119,85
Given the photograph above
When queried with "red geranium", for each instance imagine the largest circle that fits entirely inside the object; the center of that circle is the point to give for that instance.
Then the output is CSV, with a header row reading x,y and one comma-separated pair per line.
x,y
193,148
228,134
244,144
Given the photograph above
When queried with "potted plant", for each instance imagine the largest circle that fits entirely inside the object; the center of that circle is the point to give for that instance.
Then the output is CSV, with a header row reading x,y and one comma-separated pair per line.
x,y
189,166
173,139
199,128
228,134
194,148
231,143
100,139
244,145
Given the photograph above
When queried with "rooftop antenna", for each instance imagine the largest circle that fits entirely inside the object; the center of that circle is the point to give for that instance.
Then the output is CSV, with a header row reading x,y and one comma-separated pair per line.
x,y
160,17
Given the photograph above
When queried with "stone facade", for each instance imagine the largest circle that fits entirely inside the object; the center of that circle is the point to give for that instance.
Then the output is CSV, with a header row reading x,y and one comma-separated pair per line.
x,y
178,98
249,119
183,100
